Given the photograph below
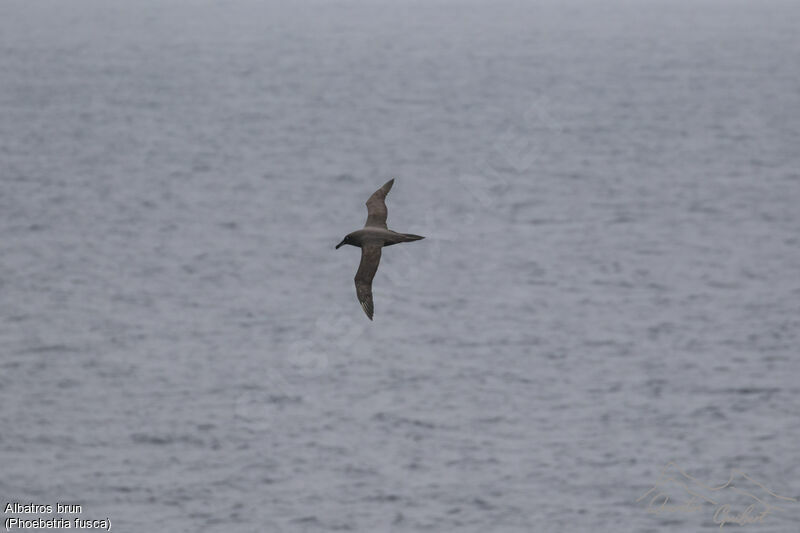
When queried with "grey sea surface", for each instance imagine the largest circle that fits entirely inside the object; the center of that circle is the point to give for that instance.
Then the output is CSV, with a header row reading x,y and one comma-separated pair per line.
x,y
610,281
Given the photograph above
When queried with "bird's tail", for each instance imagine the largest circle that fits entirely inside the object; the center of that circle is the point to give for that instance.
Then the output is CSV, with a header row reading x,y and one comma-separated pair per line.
x,y
411,237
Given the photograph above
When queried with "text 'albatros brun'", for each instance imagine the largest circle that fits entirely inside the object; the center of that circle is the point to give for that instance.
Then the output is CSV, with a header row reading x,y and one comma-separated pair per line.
x,y
371,239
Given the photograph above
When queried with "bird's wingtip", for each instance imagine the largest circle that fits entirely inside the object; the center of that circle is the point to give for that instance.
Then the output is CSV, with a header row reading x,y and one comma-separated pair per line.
x,y
367,310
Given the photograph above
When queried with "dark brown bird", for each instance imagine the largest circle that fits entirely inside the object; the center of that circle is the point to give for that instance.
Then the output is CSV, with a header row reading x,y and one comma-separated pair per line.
x,y
374,236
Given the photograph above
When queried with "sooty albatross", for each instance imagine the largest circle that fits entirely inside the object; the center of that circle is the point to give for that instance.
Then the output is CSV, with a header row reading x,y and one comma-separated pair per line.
x,y
374,236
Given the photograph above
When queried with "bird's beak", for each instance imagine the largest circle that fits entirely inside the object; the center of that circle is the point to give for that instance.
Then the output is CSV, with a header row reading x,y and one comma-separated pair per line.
x,y
340,244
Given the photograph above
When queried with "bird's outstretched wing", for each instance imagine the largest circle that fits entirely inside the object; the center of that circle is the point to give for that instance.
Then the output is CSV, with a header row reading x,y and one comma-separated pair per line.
x,y
376,207
370,258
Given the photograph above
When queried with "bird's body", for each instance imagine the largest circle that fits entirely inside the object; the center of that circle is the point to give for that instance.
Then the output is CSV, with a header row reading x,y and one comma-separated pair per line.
x,y
374,236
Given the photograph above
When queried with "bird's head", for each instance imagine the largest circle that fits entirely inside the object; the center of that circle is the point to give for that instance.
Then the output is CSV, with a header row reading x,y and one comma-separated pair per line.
x,y
346,240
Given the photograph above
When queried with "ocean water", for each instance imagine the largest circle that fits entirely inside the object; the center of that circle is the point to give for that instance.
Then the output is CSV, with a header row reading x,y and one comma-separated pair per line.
x,y
610,279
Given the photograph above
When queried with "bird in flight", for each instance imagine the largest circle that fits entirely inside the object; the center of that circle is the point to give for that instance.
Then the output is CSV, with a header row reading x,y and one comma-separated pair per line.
x,y
374,236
